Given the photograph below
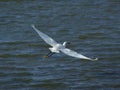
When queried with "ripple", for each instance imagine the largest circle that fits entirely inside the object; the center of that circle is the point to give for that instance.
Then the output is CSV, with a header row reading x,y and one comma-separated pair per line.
x,y
92,26
48,85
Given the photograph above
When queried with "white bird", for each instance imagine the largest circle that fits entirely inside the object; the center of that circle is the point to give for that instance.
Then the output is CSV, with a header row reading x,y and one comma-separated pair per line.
x,y
57,48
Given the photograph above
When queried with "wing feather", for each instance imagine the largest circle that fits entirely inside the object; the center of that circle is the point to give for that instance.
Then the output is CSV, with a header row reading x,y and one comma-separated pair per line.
x,y
45,37
75,54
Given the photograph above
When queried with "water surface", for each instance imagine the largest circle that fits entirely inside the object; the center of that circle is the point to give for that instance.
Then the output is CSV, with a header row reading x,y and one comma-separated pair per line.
x,y
91,26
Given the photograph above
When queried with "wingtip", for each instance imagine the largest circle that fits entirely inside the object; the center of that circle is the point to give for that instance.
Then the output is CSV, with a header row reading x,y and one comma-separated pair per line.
x,y
95,59
32,25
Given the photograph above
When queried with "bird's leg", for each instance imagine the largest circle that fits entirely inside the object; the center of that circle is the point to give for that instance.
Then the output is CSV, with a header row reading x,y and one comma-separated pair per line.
x,y
49,54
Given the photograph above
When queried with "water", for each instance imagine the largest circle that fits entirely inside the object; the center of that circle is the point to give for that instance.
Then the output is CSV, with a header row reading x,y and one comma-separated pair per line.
x,y
92,27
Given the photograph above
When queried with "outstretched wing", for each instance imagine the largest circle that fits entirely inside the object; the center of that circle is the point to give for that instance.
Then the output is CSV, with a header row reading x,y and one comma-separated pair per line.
x,y
75,54
45,37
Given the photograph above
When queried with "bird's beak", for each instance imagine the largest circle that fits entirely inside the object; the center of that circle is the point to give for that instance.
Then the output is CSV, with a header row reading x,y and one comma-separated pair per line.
x,y
68,43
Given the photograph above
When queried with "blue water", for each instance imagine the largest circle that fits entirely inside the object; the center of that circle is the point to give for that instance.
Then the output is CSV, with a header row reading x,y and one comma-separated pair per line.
x,y
92,27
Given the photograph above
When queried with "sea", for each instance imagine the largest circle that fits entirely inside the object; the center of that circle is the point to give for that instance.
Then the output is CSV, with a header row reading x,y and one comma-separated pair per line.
x,y
91,26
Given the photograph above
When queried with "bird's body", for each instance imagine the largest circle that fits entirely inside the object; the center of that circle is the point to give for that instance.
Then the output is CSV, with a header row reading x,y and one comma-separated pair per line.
x,y
57,48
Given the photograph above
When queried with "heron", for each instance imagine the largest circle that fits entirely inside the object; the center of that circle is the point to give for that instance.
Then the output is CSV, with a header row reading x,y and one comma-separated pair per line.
x,y
58,48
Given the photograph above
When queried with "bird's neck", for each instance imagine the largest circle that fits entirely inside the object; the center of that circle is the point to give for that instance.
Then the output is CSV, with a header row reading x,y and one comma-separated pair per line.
x,y
64,44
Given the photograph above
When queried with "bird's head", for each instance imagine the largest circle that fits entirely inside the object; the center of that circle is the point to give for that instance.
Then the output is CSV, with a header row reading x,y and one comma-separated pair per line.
x,y
66,43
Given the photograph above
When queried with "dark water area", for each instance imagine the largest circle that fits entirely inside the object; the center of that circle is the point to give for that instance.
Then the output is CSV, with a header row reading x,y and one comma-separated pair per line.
x,y
92,27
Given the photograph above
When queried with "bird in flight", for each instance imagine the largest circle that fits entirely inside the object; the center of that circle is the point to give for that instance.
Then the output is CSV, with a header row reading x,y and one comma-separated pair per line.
x,y
57,47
